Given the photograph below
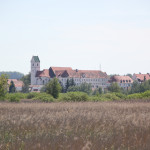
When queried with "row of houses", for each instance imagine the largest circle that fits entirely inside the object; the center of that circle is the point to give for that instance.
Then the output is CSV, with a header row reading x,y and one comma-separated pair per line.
x,y
96,78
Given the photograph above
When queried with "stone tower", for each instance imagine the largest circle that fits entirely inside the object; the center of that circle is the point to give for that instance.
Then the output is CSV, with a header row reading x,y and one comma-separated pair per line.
x,y
35,66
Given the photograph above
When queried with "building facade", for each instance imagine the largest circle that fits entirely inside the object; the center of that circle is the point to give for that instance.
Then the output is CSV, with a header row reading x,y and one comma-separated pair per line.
x,y
96,78
124,82
141,77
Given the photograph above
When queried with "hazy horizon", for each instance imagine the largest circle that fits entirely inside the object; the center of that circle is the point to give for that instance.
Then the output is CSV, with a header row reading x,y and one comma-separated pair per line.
x,y
80,34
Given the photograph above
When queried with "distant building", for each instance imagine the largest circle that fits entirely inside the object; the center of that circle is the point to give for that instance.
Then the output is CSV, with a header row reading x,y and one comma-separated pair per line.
x,y
96,78
141,77
18,84
124,82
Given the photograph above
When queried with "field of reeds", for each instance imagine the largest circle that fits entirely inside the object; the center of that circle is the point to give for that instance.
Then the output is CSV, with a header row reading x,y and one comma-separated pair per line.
x,y
75,126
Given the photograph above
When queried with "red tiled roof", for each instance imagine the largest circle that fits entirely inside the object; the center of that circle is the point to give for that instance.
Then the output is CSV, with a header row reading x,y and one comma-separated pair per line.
x,y
61,68
84,74
17,83
142,76
44,73
121,78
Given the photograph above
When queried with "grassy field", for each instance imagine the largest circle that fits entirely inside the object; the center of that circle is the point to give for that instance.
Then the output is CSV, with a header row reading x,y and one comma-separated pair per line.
x,y
75,126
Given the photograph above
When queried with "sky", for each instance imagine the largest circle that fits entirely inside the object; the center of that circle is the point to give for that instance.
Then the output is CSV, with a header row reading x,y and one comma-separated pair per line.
x,y
111,35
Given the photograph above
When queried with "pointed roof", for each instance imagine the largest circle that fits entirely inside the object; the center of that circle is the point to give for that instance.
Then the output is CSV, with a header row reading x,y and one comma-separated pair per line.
x,y
36,58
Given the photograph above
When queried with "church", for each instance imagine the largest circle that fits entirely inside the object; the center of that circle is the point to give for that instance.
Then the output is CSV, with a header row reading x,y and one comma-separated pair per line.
x,y
39,77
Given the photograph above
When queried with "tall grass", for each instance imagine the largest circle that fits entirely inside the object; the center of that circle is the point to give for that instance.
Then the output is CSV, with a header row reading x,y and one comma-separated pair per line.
x,y
75,126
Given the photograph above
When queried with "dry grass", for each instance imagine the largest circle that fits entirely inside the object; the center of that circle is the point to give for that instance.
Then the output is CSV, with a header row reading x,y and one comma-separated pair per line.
x,y
75,126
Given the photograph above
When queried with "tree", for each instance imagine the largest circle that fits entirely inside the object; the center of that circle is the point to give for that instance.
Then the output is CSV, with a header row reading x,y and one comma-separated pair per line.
x,y
3,86
67,84
98,91
25,88
114,87
12,88
72,83
84,87
27,81
53,88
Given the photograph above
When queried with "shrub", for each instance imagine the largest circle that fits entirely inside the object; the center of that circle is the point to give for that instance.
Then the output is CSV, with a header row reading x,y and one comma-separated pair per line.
x,y
19,96
135,96
14,98
146,94
121,96
44,97
74,96
110,96
32,95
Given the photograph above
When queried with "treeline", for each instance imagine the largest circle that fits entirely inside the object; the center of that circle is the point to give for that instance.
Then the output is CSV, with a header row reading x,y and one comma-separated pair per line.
x,y
13,75
53,92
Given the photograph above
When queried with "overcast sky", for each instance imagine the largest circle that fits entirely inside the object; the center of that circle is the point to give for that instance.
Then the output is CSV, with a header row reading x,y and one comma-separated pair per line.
x,y
76,33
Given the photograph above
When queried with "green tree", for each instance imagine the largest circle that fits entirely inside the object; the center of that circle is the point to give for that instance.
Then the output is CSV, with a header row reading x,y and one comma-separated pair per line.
x,y
84,87
98,91
135,87
27,81
3,86
72,83
67,85
12,88
53,88
114,87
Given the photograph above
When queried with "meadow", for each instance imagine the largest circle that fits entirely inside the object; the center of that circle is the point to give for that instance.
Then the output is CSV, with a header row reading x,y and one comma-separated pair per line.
x,y
75,126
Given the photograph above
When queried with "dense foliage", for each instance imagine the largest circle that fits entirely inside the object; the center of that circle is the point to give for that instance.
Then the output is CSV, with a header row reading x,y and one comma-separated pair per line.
x,y
12,88
3,86
84,87
27,81
53,88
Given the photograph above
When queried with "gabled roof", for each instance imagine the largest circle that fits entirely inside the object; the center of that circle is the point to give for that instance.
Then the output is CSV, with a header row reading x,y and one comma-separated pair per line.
x,y
84,74
44,73
17,83
142,76
36,58
60,68
123,79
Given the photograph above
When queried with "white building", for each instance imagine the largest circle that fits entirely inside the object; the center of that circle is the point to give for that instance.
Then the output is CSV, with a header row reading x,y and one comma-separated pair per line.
x,y
18,84
96,78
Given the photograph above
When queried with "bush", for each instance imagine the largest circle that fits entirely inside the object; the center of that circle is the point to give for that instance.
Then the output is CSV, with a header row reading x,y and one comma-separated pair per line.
x,y
135,96
11,96
32,95
146,94
14,98
74,96
110,96
44,97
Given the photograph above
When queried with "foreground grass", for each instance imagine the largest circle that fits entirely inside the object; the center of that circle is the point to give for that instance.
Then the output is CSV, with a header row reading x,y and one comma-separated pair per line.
x,y
75,126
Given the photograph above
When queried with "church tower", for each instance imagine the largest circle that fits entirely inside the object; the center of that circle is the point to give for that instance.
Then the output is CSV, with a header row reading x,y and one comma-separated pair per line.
x,y
35,66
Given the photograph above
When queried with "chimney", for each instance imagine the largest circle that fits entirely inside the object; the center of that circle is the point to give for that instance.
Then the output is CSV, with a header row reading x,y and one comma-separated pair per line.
x,y
76,70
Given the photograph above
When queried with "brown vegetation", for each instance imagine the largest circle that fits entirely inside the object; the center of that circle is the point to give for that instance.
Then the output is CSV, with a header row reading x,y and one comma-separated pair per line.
x,y
75,126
